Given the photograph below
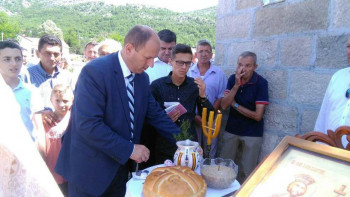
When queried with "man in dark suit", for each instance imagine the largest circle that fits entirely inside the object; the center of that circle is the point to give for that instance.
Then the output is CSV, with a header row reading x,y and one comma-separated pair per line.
x,y
99,142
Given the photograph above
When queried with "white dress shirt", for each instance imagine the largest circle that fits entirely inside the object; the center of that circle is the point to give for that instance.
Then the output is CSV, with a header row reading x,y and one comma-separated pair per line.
x,y
160,69
335,107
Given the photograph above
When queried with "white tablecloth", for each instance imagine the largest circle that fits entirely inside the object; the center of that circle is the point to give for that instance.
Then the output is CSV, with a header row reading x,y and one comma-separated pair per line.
x,y
134,187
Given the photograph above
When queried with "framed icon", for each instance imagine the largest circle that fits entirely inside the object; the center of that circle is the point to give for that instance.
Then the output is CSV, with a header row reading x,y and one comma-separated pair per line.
x,y
299,167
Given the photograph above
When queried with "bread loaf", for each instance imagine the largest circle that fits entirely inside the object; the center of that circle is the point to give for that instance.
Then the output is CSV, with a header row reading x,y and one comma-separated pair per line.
x,y
175,181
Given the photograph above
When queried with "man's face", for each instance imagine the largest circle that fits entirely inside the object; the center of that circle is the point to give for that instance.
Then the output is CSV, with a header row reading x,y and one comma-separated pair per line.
x,y
141,59
10,63
247,66
348,49
90,52
49,56
181,63
165,50
203,54
61,103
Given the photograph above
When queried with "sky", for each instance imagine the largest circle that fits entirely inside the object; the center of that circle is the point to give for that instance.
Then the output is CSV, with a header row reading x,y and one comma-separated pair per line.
x,y
174,5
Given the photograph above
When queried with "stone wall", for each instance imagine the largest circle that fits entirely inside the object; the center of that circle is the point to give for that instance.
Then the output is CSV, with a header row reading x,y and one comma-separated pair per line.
x,y
299,44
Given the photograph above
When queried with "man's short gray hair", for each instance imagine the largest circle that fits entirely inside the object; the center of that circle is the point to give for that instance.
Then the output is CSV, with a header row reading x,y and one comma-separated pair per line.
x,y
248,54
204,42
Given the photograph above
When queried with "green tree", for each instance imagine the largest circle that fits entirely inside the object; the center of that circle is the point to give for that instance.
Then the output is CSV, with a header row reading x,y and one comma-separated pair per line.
x,y
49,27
8,26
73,40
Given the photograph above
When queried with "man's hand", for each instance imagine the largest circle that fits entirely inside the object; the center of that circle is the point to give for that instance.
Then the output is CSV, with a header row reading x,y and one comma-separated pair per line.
x,y
49,118
175,115
239,73
140,154
201,86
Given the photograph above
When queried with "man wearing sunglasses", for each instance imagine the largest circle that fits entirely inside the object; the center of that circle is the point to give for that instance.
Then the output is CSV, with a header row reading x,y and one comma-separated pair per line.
x,y
335,109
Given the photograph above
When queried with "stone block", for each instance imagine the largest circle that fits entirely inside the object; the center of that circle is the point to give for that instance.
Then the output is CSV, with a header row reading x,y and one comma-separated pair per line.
x,y
341,13
291,18
331,51
230,27
225,7
277,81
244,4
307,87
270,141
228,70
220,50
266,51
280,118
308,121
296,51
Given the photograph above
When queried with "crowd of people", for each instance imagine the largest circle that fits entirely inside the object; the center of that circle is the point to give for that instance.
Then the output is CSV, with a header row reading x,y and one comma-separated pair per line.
x,y
95,125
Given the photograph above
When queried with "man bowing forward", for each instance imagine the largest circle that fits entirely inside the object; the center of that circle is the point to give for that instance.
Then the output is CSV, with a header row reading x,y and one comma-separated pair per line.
x,y
112,101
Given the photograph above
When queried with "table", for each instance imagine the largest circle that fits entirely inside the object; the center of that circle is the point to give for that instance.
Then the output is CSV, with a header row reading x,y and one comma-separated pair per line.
x,y
134,186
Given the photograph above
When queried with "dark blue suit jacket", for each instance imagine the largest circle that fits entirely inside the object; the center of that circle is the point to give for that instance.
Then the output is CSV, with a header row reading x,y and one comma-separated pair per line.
x,y
97,140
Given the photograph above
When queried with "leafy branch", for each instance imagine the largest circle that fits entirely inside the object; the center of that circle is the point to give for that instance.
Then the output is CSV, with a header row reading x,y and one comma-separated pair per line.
x,y
186,124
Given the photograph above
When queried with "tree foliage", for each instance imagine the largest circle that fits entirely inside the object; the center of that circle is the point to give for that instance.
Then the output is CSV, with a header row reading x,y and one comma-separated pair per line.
x,y
49,27
72,38
84,22
8,27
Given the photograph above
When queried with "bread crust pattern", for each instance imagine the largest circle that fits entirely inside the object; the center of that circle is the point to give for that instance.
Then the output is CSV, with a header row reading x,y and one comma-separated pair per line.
x,y
175,181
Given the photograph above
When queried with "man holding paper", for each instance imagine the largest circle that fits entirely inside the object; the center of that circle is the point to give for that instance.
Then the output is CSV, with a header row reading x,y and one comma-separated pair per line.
x,y
179,95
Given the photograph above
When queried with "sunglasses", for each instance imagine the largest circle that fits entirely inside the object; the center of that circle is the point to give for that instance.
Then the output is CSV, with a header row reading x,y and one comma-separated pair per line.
x,y
347,93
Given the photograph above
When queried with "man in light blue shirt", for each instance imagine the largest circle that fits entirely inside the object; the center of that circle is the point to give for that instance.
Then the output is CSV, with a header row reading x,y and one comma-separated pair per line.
x,y
29,100
10,67
215,81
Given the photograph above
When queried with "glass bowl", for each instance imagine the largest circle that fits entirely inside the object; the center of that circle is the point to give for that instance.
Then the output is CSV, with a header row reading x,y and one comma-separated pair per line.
x,y
218,173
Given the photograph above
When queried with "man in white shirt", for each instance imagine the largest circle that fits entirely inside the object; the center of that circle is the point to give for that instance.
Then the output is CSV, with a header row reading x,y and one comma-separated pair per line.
x,y
335,107
161,67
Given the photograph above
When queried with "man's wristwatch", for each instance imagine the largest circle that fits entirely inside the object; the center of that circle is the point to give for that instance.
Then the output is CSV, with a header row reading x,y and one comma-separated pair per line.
x,y
203,99
235,105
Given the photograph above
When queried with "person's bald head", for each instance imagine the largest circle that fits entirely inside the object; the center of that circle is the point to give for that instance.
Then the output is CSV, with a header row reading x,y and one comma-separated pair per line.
x,y
139,35
141,46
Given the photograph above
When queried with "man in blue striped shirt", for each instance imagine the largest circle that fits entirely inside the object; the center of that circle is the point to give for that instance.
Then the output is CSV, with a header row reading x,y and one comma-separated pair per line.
x,y
47,74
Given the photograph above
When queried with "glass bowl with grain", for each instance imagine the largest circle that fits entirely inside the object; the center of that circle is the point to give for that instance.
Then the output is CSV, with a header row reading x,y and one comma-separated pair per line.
x,y
218,173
